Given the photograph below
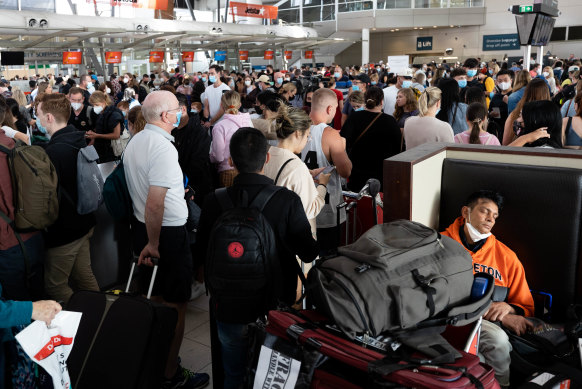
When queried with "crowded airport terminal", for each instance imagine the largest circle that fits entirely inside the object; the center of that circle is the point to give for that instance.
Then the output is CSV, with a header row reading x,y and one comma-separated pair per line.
x,y
418,163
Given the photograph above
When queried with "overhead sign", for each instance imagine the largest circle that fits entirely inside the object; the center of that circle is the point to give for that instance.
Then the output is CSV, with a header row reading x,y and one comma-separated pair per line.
x,y
187,56
220,55
269,54
424,43
72,58
254,10
156,56
113,57
501,42
308,54
243,55
525,8
288,54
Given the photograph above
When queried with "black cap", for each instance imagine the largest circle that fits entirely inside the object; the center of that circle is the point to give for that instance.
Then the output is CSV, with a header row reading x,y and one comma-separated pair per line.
x,y
363,78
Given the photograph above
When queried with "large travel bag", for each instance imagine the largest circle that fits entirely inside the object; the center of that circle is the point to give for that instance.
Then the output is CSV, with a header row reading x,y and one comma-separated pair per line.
x,y
397,276
299,348
122,341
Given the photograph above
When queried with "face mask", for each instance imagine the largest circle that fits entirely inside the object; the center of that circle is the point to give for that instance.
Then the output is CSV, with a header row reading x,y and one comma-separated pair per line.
x,y
247,83
194,110
40,127
471,72
355,88
337,74
406,84
91,89
287,79
258,110
437,111
505,85
462,83
231,84
279,80
124,113
360,109
491,95
97,110
76,106
491,72
374,82
90,85
212,79
178,117
546,74
126,80
474,233
108,91
203,79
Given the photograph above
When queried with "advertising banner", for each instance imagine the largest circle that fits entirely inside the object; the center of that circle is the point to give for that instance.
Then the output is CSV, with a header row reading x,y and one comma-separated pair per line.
x,y
72,58
269,54
113,57
254,10
156,56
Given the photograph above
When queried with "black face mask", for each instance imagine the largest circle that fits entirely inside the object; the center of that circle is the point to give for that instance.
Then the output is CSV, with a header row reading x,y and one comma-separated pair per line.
x,y
258,110
308,103
518,128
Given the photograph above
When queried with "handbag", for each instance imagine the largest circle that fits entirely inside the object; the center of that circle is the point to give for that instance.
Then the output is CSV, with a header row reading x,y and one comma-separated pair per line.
x,y
118,145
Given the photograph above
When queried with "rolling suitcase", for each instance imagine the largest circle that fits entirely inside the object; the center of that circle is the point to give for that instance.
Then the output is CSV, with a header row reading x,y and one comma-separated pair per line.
x,y
348,364
362,212
122,341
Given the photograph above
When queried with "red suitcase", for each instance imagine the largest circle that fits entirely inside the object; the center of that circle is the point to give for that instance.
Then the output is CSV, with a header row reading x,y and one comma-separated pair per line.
x,y
349,364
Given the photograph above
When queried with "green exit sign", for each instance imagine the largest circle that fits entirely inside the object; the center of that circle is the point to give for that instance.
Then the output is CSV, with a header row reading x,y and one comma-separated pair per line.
x,y
525,8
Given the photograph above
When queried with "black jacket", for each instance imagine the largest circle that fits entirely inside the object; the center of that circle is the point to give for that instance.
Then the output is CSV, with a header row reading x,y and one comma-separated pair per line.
x,y
287,218
62,149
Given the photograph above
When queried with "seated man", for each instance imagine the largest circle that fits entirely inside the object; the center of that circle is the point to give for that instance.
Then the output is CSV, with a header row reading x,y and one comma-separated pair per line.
x,y
285,215
473,231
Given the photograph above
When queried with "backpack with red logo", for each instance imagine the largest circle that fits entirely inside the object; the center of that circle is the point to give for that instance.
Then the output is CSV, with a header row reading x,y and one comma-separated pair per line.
x,y
242,267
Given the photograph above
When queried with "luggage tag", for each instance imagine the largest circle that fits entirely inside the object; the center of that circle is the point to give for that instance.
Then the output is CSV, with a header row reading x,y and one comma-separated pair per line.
x,y
276,370
545,377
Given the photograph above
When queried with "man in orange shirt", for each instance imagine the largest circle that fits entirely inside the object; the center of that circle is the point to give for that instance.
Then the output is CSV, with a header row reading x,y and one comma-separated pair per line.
x,y
473,231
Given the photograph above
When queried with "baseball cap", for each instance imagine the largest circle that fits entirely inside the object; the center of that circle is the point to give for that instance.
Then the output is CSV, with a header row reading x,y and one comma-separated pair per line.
x,y
405,73
264,78
573,68
363,78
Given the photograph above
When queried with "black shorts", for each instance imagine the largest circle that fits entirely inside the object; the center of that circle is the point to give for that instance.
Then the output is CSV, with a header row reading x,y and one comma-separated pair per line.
x,y
174,279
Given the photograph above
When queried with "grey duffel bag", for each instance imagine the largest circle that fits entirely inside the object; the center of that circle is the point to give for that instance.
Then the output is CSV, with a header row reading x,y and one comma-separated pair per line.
x,y
397,276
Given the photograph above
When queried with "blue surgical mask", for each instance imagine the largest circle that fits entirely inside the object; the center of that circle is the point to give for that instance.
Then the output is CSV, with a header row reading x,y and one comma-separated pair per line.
x,y
471,72
337,74
212,79
355,88
437,111
491,95
462,83
194,111
40,127
360,109
178,117
491,72
374,82
406,84
203,79
279,80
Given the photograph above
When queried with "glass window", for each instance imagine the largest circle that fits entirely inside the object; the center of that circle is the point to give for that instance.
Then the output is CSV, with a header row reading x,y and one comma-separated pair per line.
x,y
575,33
38,5
8,4
558,34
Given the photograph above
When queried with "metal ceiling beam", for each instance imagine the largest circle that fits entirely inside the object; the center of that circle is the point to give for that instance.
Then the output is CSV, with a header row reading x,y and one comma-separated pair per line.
x,y
47,37
81,39
153,36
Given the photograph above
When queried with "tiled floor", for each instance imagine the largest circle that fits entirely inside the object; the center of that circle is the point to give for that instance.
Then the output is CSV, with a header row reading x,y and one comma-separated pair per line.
x,y
195,351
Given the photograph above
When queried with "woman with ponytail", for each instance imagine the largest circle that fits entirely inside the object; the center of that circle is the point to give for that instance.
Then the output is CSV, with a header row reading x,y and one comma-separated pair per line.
x,y
476,134
230,122
286,169
426,128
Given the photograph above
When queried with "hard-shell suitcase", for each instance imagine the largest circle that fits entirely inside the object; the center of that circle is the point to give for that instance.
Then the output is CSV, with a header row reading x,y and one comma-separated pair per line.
x,y
347,364
122,341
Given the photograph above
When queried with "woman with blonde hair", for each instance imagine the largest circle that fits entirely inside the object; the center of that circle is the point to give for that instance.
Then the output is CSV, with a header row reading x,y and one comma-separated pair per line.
x,y
288,91
107,127
426,128
520,81
406,106
536,90
230,122
548,74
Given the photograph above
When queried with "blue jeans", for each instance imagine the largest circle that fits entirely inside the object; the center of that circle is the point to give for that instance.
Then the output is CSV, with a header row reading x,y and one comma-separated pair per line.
x,y
234,345
13,271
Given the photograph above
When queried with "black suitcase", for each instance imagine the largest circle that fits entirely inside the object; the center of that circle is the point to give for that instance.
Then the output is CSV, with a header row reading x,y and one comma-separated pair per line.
x,y
122,341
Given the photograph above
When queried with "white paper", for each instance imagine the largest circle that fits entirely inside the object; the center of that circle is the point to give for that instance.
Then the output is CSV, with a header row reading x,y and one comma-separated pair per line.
x,y
545,377
398,63
276,370
50,346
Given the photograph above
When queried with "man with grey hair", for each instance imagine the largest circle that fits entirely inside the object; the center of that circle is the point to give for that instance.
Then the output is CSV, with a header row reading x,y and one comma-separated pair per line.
x,y
155,183
85,84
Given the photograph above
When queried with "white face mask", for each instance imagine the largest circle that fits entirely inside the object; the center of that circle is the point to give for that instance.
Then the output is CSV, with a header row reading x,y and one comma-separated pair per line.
x,y
474,233
126,80
248,83
546,74
504,85
76,106
108,90
97,110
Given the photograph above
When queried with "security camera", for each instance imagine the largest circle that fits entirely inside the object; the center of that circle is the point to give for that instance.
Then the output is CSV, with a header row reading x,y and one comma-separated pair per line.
x,y
449,51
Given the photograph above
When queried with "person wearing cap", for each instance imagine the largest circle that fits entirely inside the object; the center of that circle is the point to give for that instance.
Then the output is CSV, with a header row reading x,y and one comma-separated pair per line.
x,y
390,93
571,75
359,83
263,83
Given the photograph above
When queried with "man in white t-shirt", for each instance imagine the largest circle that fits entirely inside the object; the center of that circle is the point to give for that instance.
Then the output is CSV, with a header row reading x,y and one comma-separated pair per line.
x,y
155,184
212,96
390,93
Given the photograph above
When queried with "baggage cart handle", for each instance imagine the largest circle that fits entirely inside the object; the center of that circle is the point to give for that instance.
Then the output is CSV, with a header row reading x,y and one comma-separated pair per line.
x,y
155,261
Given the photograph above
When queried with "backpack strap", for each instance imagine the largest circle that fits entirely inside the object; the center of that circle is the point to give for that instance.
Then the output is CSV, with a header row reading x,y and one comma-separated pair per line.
x,y
281,169
263,197
569,125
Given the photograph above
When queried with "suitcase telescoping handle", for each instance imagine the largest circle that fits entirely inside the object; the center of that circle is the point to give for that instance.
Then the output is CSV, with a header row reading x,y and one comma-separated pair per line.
x,y
155,261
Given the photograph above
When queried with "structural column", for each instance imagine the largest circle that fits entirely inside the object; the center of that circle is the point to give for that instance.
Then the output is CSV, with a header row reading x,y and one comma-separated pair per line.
x,y
365,45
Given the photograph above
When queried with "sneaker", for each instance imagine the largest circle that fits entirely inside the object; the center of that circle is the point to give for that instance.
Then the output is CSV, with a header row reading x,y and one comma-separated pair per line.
x,y
186,379
198,290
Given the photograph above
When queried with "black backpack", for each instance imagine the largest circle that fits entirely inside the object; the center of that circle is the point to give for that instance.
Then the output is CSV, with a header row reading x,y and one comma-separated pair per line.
x,y
242,265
